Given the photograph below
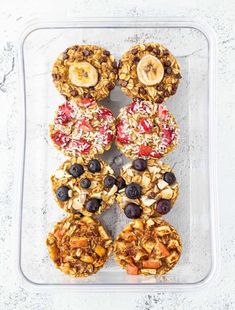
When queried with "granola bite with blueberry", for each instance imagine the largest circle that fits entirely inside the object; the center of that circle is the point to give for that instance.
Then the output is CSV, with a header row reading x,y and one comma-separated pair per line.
x,y
146,130
84,186
150,72
148,247
149,188
79,246
82,129
85,71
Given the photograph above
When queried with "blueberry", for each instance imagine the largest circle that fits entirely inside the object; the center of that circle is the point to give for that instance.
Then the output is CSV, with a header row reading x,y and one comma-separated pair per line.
x,y
163,206
132,211
85,183
62,193
93,205
139,164
133,190
121,183
169,177
76,170
94,165
109,181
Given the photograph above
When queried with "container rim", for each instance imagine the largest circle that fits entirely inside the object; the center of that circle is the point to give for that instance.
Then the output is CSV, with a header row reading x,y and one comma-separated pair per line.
x,y
118,22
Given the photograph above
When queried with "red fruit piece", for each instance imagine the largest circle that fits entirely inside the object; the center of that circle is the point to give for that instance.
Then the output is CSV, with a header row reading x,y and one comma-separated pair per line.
x,y
122,137
87,101
60,138
145,150
106,134
64,114
145,125
133,270
81,145
104,113
136,106
168,134
85,125
162,112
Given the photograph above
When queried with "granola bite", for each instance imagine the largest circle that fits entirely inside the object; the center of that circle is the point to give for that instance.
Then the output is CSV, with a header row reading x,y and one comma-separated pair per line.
x,y
85,129
149,188
79,246
148,247
146,130
85,71
84,186
150,72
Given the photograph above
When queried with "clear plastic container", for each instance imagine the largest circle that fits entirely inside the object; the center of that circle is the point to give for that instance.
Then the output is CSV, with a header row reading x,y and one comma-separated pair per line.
x,y
194,162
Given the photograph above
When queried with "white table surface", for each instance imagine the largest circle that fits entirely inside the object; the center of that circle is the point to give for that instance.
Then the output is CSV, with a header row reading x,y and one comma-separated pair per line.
x,y
220,15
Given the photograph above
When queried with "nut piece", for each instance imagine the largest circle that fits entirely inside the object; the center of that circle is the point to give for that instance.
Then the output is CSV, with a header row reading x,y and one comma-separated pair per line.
x,y
145,251
77,247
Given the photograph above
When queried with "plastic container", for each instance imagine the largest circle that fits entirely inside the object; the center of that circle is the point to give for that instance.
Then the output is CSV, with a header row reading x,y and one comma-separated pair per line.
x,y
194,161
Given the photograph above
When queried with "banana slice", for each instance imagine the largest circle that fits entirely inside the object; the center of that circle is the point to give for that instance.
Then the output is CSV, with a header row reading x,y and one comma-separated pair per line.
x,y
150,70
83,74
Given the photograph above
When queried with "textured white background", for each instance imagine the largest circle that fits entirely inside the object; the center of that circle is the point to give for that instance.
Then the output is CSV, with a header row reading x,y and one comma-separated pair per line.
x,y
221,16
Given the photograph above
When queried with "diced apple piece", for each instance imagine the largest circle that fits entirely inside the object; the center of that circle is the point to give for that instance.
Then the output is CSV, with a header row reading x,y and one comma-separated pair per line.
x,y
163,249
138,224
86,259
78,242
149,245
100,250
131,269
152,264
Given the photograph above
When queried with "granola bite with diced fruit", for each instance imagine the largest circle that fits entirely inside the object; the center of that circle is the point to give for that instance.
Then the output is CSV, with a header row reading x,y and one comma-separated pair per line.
x,y
149,188
150,72
84,186
148,247
146,130
83,128
79,246
85,71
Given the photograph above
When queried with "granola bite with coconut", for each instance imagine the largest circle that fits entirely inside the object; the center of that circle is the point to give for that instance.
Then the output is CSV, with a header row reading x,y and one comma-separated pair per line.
x,y
148,247
85,71
79,246
146,130
83,129
149,188
150,72
84,186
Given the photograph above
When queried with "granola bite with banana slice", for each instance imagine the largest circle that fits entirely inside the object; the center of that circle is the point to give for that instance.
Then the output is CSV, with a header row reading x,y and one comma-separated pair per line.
x,y
148,247
79,246
85,71
150,72
84,186
83,129
146,130
149,188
